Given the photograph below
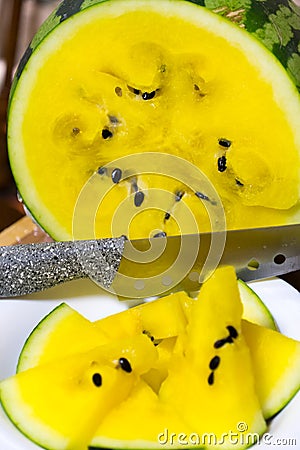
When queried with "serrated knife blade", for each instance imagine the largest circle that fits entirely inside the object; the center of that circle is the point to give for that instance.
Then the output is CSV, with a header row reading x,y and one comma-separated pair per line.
x,y
150,267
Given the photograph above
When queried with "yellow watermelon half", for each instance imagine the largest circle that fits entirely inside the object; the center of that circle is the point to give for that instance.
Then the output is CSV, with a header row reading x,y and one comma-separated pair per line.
x,y
105,80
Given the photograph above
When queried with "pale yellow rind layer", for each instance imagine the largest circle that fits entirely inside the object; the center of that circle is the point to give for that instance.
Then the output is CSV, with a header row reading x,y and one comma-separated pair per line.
x,y
254,310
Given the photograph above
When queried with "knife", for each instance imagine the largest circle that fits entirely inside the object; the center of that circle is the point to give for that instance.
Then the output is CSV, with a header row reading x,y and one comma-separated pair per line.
x,y
150,267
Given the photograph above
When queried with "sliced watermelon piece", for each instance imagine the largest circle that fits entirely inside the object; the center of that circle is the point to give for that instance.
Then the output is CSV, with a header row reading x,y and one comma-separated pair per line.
x,y
144,408
204,381
276,366
56,336
144,318
60,404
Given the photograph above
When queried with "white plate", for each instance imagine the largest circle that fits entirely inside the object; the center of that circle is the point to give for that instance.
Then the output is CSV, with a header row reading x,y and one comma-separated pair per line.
x,y
19,317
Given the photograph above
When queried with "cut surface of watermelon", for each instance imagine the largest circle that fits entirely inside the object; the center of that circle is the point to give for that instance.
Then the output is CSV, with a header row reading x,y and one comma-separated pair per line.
x,y
183,82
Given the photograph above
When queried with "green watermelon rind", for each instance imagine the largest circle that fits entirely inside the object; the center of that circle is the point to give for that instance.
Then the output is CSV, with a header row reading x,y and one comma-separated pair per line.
x,y
290,386
285,90
254,308
276,406
30,350
275,23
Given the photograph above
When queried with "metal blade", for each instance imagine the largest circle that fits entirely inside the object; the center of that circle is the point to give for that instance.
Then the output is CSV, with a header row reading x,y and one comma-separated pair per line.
x,y
161,265
150,267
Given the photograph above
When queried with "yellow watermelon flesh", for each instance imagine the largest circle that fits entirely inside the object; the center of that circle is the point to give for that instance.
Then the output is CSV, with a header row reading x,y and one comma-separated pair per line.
x,y
59,405
54,337
160,77
204,380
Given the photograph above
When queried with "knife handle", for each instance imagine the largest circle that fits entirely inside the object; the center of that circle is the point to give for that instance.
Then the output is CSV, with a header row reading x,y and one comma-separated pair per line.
x,y
29,268
34,267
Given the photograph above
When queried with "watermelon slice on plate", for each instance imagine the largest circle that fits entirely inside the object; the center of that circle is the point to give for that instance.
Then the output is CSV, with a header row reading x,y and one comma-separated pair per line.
x,y
281,299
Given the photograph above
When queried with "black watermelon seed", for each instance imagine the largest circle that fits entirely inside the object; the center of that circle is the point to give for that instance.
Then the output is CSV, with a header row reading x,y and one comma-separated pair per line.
x,y
238,182
106,133
232,331
116,175
229,340
139,198
118,91
220,343
167,216
224,142
211,378
222,164
202,196
75,131
149,335
152,338
97,379
125,365
197,88
148,95
102,170
160,234
214,362
179,195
